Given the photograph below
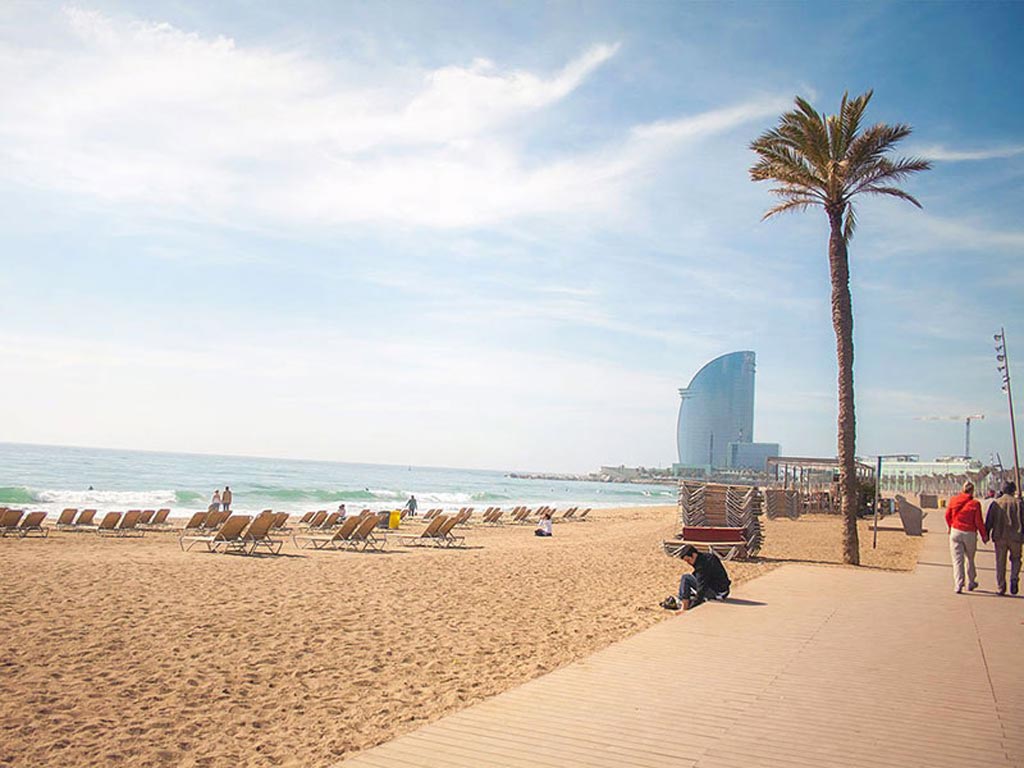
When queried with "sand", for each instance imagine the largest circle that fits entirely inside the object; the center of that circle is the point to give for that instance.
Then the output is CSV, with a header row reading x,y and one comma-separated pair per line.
x,y
130,652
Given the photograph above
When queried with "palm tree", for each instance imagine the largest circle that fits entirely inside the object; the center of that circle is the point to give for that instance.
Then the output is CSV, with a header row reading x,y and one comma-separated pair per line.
x,y
827,160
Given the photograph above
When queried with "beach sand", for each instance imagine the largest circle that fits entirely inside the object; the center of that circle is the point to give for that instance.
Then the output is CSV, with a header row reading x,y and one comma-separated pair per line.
x,y
130,652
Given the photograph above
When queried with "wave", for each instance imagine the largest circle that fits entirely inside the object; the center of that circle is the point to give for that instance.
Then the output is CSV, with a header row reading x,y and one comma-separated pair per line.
x,y
307,494
16,495
157,498
187,497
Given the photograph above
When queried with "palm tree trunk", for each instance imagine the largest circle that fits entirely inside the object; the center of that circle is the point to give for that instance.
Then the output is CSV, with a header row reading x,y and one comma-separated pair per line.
x,y
842,324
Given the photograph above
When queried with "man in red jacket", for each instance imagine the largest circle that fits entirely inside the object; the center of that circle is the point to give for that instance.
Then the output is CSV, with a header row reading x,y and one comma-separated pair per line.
x,y
963,519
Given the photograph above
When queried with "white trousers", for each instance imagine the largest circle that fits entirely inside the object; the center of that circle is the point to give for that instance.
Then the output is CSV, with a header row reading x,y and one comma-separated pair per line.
x,y
963,544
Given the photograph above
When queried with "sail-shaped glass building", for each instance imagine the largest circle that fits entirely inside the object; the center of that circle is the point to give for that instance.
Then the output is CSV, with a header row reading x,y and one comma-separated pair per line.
x,y
717,410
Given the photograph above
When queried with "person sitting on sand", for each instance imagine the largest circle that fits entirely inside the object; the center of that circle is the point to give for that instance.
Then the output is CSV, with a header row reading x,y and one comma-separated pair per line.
x,y
341,510
709,581
215,501
543,525
225,499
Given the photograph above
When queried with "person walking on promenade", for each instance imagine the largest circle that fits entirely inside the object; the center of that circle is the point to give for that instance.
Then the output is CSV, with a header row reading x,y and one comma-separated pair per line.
x,y
214,501
963,519
1003,523
225,499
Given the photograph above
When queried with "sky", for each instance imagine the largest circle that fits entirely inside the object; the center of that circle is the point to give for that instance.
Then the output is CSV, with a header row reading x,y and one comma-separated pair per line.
x,y
491,235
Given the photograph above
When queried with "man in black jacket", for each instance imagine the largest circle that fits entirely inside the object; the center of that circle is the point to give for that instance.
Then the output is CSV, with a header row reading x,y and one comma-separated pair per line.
x,y
709,581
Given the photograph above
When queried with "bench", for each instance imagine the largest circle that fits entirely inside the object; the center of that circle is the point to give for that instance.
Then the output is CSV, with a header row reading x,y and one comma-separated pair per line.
x,y
726,542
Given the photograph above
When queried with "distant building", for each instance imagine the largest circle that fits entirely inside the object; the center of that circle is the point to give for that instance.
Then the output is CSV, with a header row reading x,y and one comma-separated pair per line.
x,y
715,428
752,455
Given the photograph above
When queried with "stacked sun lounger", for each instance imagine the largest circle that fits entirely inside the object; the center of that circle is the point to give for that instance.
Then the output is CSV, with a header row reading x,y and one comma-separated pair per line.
x,y
724,519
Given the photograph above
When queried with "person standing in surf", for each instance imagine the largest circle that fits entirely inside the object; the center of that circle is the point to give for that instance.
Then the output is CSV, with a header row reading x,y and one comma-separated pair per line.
x,y
411,505
214,501
225,499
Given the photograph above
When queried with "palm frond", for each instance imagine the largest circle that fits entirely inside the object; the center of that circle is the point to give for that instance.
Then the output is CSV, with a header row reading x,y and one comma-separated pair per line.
x,y
874,189
888,170
849,222
794,204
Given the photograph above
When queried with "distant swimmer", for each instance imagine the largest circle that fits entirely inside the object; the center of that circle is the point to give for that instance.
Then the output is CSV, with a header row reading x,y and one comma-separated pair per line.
x,y
91,488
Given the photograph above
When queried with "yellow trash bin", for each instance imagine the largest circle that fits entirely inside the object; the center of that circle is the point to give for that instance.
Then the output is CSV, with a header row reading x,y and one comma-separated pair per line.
x,y
394,519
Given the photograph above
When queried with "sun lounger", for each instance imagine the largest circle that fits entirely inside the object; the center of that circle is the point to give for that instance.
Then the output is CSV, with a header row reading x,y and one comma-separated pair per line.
x,y
66,519
427,534
9,520
340,537
129,525
304,520
280,522
108,525
229,536
363,536
146,517
85,521
317,520
257,535
445,537
32,525
161,517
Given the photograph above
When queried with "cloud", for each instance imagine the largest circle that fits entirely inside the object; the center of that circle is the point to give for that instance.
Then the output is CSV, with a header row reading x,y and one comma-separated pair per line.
x,y
946,154
914,232
357,400
167,123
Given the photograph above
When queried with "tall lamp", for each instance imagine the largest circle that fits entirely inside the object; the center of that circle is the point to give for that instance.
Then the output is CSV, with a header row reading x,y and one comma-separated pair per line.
x,y
1003,364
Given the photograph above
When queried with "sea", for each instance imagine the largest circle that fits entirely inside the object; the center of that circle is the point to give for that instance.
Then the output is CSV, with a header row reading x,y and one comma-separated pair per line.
x,y
50,478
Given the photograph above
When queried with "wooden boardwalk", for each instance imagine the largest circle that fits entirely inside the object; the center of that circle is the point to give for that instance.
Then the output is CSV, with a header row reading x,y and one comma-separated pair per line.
x,y
809,667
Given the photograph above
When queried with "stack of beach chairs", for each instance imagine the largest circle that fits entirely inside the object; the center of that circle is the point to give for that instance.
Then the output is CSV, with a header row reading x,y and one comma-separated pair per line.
x,y
779,502
724,519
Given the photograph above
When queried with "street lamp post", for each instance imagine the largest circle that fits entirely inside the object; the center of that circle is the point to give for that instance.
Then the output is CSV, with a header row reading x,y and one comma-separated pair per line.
x,y
1003,364
878,491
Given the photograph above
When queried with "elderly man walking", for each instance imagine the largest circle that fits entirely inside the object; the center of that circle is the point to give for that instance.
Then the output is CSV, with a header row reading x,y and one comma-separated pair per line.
x,y
1004,527
963,518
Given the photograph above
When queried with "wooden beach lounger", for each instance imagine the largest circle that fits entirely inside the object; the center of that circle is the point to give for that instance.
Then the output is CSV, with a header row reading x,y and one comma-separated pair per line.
x,y
108,525
85,521
161,517
363,536
229,535
426,533
9,520
66,519
32,525
258,535
129,525
340,538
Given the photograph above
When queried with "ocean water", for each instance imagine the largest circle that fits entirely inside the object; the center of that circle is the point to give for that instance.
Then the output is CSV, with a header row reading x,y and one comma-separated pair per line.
x,y
51,478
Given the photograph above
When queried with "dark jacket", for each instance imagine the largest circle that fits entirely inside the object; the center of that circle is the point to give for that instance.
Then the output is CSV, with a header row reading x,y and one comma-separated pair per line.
x,y
710,574
1003,519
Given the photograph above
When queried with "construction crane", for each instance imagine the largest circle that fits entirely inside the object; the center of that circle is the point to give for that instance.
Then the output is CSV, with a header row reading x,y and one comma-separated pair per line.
x,y
967,427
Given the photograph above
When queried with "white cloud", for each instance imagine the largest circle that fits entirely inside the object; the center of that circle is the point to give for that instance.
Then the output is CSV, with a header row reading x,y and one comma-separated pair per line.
x,y
177,124
300,394
951,155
